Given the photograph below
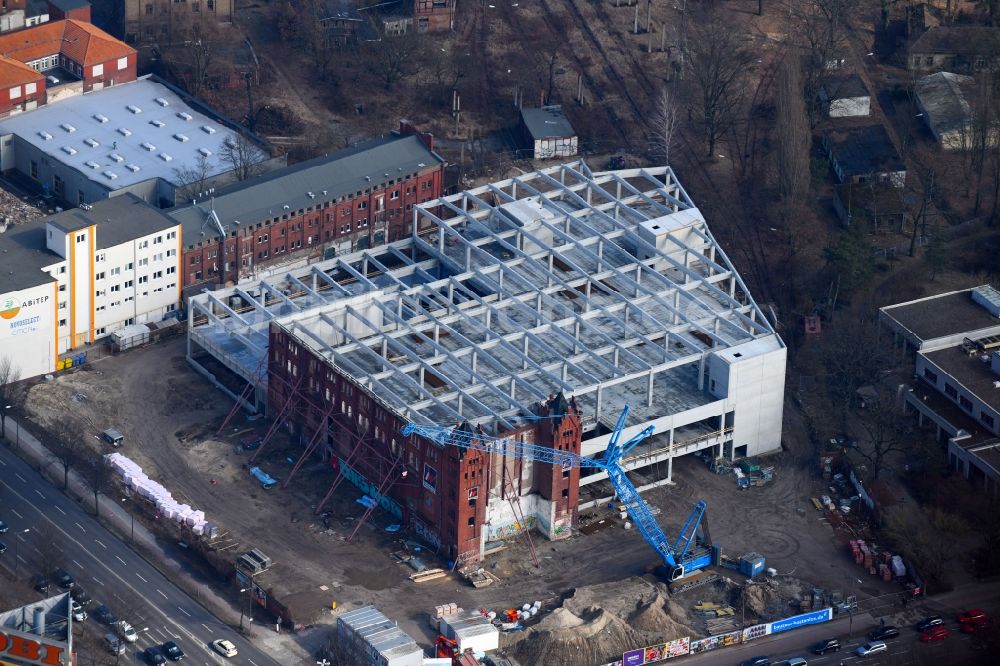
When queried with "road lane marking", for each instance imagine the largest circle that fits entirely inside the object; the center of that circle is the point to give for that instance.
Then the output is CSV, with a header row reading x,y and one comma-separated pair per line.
x,y
39,493
121,560
98,542
253,662
21,558
141,578
3,463
59,509
78,565
20,537
161,594
20,477
14,511
206,627
98,581
81,527
183,611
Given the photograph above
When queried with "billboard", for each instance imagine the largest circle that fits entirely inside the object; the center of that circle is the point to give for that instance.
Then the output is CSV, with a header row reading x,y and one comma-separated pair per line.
x,y
655,653
716,642
796,621
33,649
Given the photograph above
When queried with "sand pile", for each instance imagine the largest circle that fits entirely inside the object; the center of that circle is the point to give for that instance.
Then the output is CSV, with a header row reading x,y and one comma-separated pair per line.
x,y
596,623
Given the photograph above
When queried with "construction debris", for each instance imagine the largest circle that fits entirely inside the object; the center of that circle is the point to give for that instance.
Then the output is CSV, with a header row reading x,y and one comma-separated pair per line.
x,y
428,574
14,211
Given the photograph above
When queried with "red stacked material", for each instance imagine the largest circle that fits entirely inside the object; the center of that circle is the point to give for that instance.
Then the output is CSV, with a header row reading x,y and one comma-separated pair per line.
x,y
872,571
856,551
886,572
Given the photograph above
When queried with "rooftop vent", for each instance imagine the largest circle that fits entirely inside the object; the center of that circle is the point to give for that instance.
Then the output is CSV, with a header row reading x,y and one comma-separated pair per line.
x,y
157,123
180,137
132,167
205,151
45,135
92,164
69,150
148,146
110,175
116,157
134,109
207,130
162,102
310,195
184,115
93,143
100,118
124,132
68,127
165,157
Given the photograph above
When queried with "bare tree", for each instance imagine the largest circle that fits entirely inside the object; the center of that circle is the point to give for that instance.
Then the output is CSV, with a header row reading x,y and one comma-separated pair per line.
x,y
396,57
719,61
792,127
46,547
243,156
820,28
66,446
925,537
886,429
193,54
662,130
192,180
12,393
99,476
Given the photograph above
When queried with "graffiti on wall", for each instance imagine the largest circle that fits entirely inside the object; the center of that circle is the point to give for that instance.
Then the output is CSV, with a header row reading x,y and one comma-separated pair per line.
x,y
426,533
510,530
370,489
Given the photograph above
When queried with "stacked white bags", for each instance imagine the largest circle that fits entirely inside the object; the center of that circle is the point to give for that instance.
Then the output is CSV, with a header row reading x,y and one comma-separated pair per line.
x,y
145,487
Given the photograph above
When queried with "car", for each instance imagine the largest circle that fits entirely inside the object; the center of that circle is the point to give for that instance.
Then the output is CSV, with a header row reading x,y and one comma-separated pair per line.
x,y
251,442
40,583
114,644
828,645
127,632
104,615
76,610
64,579
173,652
152,655
971,627
974,616
938,632
224,647
80,596
3,527
868,649
3,548
757,661
928,622
796,661
884,632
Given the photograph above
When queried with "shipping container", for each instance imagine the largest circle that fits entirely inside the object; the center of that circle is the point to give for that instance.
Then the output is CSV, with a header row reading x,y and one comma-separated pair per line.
x,y
372,639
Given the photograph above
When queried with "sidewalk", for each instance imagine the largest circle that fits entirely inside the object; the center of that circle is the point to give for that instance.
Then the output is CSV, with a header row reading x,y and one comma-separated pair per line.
x,y
114,515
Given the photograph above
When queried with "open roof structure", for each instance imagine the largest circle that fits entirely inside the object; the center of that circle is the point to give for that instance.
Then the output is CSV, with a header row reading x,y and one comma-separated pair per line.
x,y
607,286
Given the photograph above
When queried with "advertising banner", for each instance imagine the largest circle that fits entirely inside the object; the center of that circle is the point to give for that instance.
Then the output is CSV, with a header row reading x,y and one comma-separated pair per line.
x,y
796,621
715,642
679,647
655,653
634,658
756,631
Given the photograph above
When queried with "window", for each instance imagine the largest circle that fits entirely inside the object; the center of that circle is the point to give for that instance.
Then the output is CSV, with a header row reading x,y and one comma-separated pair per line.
x,y
986,418
62,287
930,375
158,239
128,284
34,169
143,244
143,262
950,390
362,205
15,92
171,270
395,194
116,271
30,88
149,10
195,7
472,521
128,266
116,287
62,270
62,304
158,256
98,70
100,308
157,275
128,299
99,276
929,60
171,253
171,235
81,238
211,5
965,403
123,62
100,257
62,322
143,279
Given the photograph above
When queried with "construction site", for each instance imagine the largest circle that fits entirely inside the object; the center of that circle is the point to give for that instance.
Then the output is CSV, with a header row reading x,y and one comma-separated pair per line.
x,y
496,391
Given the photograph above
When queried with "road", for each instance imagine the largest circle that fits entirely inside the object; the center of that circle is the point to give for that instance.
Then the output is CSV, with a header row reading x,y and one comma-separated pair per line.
x,y
106,567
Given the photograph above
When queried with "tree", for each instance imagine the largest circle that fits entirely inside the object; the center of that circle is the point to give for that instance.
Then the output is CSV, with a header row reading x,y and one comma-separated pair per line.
x,y
885,426
396,57
192,180
851,257
12,393
793,131
846,370
991,8
66,447
719,61
243,156
820,28
99,477
936,254
662,130
925,537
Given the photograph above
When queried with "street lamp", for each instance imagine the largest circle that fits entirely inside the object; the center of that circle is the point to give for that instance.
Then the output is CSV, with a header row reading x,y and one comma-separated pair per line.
x,y
17,424
131,517
19,538
242,590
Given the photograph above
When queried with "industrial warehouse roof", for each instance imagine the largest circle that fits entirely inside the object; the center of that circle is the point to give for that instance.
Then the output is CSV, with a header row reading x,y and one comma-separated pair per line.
x,y
942,101
513,291
943,315
969,370
125,134
547,122
23,254
312,183
119,219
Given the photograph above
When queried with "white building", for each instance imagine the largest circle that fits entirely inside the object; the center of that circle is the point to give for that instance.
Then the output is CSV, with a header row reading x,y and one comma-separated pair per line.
x,y
845,97
548,133
77,276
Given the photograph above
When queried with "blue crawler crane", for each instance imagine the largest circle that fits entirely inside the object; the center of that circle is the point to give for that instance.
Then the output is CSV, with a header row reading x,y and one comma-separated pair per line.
x,y
691,551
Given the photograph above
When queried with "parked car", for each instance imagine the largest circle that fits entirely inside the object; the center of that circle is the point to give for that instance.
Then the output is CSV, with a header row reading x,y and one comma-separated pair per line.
x,y
938,632
251,442
3,527
796,661
828,645
76,610
40,583
3,548
127,632
174,653
80,596
153,655
757,661
114,644
974,616
224,647
104,615
882,633
64,579
928,622
868,649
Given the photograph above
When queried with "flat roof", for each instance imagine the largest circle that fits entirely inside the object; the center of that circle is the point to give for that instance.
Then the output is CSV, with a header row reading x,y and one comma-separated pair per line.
x,y
23,254
310,183
547,122
514,290
119,219
845,86
941,315
968,370
863,151
123,135
943,101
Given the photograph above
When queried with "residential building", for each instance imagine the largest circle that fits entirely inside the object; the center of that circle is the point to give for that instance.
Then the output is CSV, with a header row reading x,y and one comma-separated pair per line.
x,y
943,102
880,206
547,133
355,198
75,277
78,10
143,137
955,339
845,96
533,308
434,15
151,20
864,154
17,14
964,49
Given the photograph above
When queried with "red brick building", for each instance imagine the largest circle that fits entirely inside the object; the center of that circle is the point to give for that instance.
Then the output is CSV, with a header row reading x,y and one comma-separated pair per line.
x,y
434,15
78,10
75,49
448,495
348,200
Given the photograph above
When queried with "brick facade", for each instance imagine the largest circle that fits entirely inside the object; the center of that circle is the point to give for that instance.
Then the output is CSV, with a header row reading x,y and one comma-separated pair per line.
x,y
434,15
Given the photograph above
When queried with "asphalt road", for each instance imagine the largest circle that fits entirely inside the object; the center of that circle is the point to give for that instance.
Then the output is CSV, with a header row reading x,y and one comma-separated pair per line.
x,y
106,567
